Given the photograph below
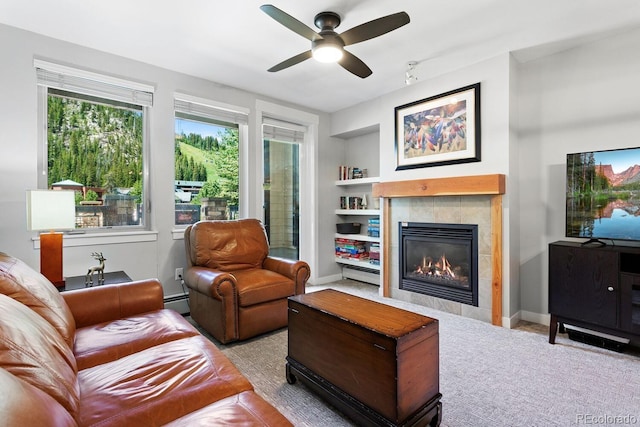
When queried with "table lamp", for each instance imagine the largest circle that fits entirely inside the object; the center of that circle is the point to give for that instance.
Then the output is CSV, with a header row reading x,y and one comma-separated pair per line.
x,y
51,210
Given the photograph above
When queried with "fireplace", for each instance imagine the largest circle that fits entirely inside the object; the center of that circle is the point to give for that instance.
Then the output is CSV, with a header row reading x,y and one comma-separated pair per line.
x,y
439,260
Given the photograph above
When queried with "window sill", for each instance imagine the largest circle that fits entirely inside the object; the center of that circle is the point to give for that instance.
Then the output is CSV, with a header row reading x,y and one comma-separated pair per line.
x,y
71,240
178,233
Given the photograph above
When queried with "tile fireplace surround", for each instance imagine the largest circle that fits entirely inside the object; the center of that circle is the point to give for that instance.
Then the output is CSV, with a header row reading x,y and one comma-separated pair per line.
x,y
457,200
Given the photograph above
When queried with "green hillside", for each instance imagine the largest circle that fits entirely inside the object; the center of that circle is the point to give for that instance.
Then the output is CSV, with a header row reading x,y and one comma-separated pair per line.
x,y
215,158
200,157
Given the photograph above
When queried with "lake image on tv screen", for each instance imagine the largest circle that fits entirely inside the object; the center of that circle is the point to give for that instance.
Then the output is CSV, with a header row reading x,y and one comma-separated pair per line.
x,y
603,194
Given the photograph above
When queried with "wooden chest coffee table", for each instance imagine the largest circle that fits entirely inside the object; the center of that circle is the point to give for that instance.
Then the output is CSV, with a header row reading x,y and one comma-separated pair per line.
x,y
376,363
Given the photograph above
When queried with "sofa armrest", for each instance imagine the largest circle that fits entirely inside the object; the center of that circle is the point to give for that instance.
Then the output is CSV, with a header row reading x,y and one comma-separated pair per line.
x,y
296,270
94,305
213,283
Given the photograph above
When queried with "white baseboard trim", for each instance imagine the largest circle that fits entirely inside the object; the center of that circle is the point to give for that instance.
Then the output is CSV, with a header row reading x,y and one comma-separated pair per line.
x,y
529,316
511,322
326,279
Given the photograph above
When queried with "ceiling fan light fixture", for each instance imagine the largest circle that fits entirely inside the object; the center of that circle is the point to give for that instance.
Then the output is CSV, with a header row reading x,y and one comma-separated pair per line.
x,y
327,45
327,52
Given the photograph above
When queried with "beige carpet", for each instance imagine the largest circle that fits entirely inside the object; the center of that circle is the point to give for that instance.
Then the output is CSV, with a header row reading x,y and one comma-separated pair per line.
x,y
489,376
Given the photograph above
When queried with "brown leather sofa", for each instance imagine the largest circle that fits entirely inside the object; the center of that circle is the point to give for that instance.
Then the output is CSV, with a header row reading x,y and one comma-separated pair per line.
x,y
236,290
111,356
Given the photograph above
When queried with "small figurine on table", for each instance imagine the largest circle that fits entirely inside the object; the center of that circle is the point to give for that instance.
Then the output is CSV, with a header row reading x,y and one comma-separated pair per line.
x,y
98,268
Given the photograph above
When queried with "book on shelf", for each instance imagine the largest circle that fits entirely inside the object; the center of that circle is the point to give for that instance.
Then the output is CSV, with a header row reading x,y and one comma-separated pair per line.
x,y
351,249
374,254
355,202
350,172
373,227
351,202
362,256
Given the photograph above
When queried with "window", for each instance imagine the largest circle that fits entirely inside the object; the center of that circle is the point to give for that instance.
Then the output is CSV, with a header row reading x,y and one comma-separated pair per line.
x,y
95,144
207,161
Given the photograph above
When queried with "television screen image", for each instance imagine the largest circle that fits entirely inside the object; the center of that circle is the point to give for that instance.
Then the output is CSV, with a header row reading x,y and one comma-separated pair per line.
x,y
603,194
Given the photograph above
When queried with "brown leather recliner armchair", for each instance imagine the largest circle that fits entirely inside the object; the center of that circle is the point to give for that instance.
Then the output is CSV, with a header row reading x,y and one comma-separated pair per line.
x,y
237,291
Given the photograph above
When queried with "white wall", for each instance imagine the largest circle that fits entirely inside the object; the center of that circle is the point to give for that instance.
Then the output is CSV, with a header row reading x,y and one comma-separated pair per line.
x,y
18,142
578,100
514,195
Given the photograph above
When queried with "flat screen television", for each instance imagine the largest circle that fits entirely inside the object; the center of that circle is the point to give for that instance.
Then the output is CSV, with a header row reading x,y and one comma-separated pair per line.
x,y
603,195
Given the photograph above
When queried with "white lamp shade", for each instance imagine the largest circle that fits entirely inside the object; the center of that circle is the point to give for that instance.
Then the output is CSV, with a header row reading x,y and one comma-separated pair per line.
x,y
51,210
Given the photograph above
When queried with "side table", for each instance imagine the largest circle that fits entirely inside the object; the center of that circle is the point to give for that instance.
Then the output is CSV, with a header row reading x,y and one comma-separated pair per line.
x,y
78,282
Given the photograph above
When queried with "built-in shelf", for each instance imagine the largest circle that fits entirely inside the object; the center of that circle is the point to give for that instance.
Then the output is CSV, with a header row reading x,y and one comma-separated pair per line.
x,y
365,212
358,188
356,263
358,181
361,237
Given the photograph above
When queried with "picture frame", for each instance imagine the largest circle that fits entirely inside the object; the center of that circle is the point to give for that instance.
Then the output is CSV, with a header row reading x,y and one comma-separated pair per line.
x,y
439,130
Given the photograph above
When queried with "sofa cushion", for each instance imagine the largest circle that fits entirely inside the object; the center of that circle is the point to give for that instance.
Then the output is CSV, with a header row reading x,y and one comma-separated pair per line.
x,y
256,286
158,385
228,245
32,350
22,283
243,409
108,341
24,405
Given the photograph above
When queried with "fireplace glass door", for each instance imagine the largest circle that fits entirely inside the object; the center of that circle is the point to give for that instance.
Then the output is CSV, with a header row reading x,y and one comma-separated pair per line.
x,y
440,260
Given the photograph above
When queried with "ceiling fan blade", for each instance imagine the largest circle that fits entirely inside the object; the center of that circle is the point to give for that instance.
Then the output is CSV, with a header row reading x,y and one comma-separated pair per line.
x,y
374,28
290,22
291,61
354,65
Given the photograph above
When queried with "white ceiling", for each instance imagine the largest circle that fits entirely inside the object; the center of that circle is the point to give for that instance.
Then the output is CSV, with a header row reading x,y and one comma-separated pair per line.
x,y
234,42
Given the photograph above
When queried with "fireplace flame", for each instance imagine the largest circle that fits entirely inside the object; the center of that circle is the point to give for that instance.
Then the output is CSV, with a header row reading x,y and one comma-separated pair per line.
x,y
440,268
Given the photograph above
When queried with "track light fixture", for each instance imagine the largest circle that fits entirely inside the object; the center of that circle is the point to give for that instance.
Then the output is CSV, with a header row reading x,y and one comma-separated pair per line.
x,y
409,75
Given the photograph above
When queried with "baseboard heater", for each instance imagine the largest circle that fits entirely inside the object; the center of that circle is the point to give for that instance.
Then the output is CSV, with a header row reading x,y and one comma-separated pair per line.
x,y
361,274
177,302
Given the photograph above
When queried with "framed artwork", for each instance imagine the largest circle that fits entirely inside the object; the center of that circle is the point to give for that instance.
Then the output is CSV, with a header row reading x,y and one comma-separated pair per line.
x,y
440,130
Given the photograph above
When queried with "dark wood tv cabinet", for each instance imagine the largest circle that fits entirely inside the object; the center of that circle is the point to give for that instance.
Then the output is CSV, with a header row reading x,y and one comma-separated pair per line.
x,y
596,288
377,364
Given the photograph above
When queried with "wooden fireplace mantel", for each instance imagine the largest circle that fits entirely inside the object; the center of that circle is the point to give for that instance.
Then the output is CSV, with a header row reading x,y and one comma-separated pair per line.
x,y
491,185
453,186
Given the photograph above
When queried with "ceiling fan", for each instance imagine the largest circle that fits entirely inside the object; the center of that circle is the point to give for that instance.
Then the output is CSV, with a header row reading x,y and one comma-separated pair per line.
x,y
327,45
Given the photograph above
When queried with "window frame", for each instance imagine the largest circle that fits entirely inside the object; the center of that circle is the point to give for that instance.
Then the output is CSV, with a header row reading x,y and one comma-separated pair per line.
x,y
85,83
309,180
209,111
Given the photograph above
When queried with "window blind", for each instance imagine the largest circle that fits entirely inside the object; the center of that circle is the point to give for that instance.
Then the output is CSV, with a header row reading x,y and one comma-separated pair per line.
x,y
186,107
279,130
93,84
